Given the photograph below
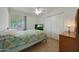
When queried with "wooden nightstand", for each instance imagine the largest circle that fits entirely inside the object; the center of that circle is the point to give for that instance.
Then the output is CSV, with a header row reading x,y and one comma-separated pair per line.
x,y
68,42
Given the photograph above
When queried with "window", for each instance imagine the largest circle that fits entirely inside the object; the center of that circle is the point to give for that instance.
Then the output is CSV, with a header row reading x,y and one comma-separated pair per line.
x,y
17,22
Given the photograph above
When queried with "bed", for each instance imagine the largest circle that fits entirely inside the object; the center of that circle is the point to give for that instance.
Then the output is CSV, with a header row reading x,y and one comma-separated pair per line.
x,y
13,40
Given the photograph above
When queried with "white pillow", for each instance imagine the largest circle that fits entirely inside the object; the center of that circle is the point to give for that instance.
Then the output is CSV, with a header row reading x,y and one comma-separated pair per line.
x,y
8,31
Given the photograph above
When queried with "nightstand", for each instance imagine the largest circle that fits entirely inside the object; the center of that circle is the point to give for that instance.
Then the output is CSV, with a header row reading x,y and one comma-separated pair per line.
x,y
68,42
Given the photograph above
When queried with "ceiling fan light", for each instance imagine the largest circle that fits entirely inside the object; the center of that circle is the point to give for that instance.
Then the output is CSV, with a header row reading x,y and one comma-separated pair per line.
x,y
38,11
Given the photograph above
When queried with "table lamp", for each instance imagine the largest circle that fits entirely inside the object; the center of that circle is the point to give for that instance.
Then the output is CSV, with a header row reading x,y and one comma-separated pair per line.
x,y
69,26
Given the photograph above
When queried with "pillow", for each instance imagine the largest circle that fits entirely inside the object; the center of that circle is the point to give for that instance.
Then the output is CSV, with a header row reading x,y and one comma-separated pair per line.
x,y
8,31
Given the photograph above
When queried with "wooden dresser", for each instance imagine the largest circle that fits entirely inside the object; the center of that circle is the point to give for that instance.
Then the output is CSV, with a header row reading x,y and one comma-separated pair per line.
x,y
68,42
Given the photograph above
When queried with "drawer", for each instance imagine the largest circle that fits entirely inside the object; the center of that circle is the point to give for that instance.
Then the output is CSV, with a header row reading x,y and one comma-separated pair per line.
x,y
68,44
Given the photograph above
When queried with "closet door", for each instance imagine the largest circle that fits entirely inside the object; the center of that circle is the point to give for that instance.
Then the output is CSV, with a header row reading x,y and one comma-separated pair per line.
x,y
47,26
59,24
54,25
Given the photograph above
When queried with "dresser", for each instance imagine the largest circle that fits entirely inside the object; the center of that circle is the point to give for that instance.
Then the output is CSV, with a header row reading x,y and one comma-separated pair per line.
x,y
68,42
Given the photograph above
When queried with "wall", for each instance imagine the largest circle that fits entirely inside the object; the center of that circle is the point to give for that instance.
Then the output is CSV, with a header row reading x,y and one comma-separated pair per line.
x,y
3,18
31,20
56,21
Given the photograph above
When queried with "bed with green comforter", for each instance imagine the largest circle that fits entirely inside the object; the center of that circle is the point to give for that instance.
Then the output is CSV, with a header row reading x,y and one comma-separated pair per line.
x,y
20,40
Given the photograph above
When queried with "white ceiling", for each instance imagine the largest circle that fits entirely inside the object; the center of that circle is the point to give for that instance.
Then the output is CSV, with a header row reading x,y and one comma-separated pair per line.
x,y
30,10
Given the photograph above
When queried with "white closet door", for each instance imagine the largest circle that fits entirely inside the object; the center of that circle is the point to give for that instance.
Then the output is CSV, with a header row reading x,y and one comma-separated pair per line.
x,y
59,24
47,26
54,25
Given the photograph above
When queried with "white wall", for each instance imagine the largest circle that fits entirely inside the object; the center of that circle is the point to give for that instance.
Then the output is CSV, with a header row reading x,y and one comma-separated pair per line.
x,y
3,18
31,20
56,21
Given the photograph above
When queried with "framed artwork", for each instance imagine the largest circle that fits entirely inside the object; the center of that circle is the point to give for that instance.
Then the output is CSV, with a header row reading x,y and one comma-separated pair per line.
x,y
39,27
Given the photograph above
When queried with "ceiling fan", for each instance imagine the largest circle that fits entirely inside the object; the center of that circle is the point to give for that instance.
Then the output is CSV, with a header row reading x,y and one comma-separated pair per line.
x,y
38,10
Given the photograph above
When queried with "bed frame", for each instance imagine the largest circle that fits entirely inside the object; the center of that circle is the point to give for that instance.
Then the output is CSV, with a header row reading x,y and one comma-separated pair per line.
x,y
22,47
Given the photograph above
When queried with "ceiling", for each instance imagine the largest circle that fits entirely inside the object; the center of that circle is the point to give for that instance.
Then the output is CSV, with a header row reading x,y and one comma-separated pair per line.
x,y
31,10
